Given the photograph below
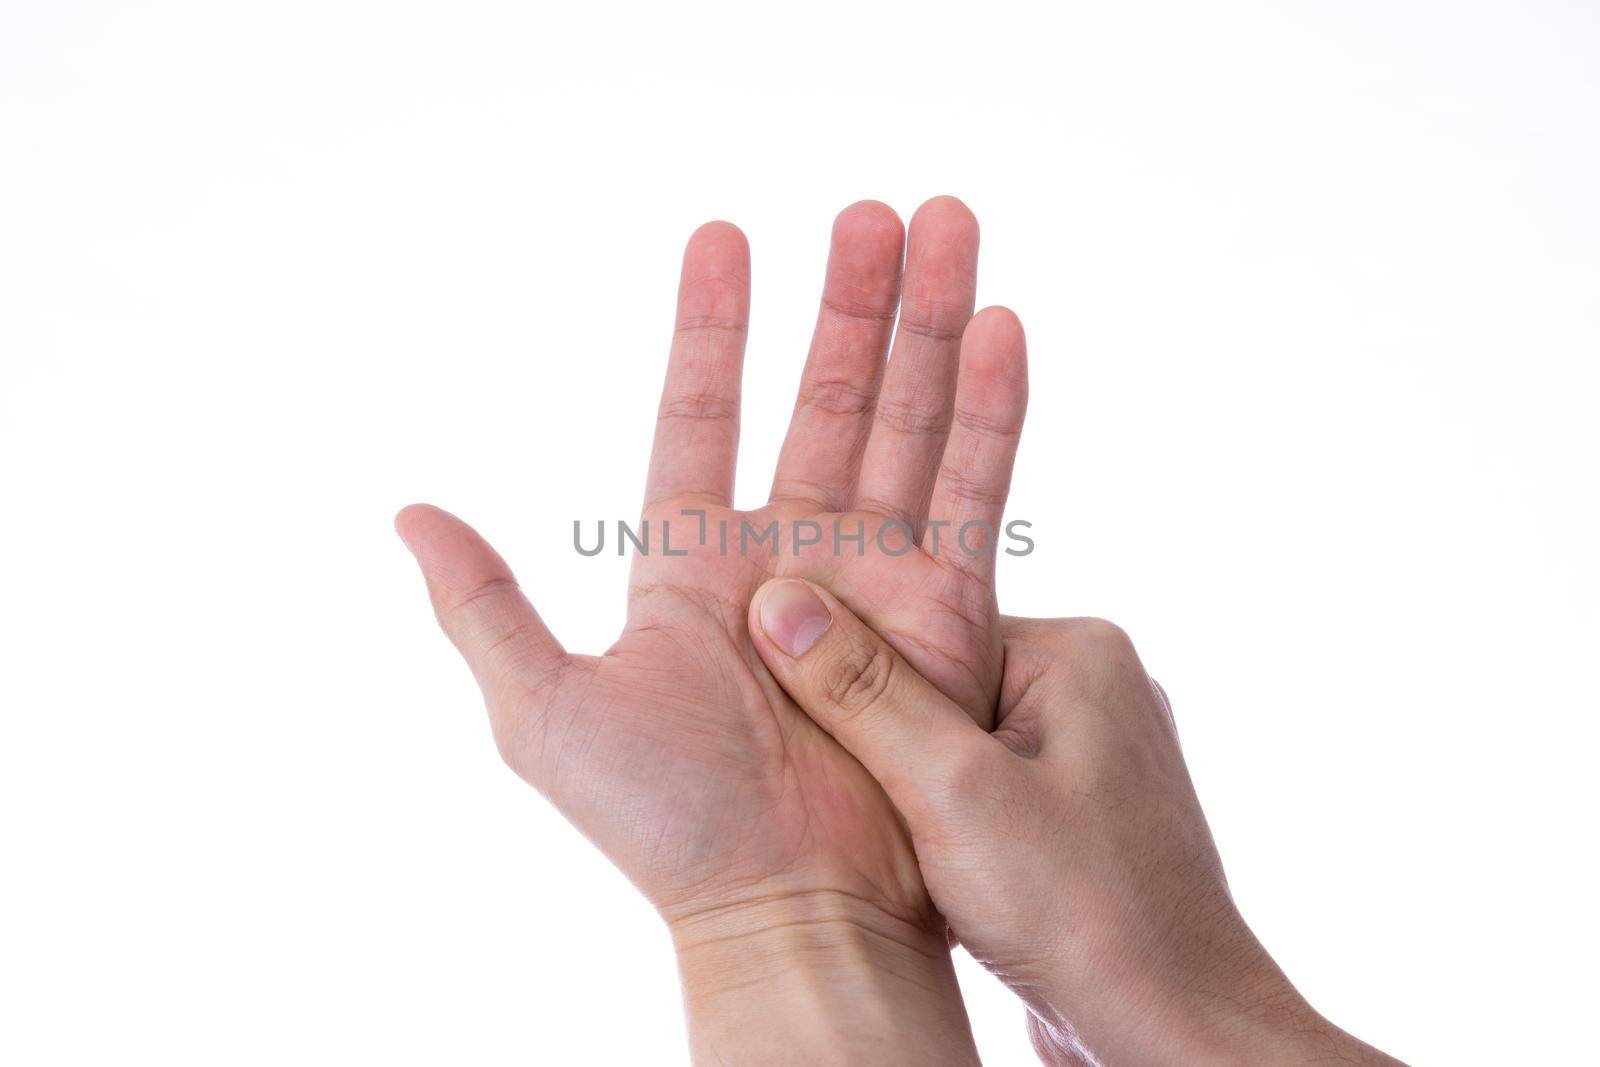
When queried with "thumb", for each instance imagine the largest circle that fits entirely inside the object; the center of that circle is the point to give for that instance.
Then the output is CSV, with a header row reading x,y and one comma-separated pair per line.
x,y
479,606
908,735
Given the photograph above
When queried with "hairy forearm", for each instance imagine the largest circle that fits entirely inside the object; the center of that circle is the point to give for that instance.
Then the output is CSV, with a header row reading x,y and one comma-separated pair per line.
x,y
818,978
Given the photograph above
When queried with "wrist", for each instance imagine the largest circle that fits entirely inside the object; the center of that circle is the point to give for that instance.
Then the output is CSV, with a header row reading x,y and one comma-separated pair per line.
x,y
1241,1009
1281,1027
817,976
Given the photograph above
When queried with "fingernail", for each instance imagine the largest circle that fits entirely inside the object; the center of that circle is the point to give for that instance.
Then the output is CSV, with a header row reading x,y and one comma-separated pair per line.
x,y
793,616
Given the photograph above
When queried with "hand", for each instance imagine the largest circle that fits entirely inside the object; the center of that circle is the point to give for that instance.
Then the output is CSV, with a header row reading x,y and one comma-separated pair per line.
x,y
1067,849
675,751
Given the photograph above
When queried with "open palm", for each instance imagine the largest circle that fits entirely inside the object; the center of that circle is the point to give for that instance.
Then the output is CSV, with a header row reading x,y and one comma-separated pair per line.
x,y
675,751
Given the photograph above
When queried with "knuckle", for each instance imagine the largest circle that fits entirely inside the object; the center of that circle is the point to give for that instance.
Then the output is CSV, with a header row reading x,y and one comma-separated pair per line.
x,y
962,488
1101,635
936,320
838,396
1161,695
690,325
861,302
856,677
508,733
702,406
913,417
1104,669
513,730
449,609
981,424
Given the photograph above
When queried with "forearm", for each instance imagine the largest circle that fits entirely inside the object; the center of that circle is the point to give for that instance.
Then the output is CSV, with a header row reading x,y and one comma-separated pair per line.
x,y
818,978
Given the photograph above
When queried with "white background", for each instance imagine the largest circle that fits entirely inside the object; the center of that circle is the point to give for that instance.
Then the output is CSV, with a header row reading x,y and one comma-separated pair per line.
x,y
1311,299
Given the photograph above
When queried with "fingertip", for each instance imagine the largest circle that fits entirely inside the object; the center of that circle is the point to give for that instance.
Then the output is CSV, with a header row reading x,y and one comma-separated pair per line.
x,y
411,521
863,276
994,369
714,286
942,262
869,221
1000,320
946,213
995,336
718,237
447,549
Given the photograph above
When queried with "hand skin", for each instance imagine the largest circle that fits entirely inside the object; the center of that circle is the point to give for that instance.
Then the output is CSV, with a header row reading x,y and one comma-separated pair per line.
x,y
769,851
1067,849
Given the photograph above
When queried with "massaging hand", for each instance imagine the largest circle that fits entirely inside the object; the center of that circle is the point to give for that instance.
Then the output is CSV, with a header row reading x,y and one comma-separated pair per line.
x,y
1067,848
675,751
